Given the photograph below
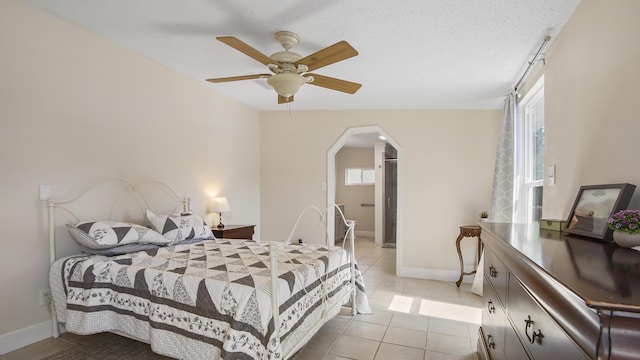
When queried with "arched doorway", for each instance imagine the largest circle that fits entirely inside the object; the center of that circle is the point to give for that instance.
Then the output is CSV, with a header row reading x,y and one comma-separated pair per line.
x,y
382,201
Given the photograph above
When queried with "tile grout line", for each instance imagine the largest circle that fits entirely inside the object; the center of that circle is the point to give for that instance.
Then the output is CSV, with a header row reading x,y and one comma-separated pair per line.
x,y
351,320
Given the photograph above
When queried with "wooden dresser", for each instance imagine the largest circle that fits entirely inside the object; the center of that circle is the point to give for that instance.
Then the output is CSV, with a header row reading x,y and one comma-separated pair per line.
x,y
234,232
553,296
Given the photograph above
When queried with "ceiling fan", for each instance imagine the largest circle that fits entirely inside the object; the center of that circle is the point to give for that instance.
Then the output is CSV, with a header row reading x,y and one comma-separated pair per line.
x,y
290,69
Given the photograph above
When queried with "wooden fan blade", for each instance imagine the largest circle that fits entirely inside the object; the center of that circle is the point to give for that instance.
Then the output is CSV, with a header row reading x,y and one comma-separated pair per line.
x,y
329,55
334,84
237,78
284,100
246,49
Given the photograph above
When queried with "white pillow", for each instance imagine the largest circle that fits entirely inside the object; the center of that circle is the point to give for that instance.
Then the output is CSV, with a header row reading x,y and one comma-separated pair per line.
x,y
178,227
109,234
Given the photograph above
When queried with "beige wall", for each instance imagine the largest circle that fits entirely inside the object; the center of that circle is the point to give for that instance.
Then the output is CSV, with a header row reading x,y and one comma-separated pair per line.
x,y
444,179
68,96
591,102
75,108
353,196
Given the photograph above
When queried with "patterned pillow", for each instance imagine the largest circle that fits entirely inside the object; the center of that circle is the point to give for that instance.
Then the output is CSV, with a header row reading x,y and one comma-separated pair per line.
x,y
119,250
109,234
178,227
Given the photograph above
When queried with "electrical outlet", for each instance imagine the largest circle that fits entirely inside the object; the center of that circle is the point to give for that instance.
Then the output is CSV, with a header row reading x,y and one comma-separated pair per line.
x,y
45,297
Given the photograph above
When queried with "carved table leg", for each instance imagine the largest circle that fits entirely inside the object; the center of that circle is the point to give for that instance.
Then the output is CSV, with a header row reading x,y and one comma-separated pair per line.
x,y
460,237
468,231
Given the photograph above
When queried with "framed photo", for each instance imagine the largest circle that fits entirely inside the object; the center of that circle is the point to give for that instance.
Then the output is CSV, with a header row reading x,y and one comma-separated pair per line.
x,y
594,205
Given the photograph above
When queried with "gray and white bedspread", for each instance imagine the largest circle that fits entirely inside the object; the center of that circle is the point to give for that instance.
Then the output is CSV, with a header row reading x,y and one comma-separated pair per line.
x,y
206,300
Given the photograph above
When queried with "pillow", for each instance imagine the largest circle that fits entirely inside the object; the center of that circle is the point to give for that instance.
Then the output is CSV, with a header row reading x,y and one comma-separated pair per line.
x,y
109,234
119,250
179,227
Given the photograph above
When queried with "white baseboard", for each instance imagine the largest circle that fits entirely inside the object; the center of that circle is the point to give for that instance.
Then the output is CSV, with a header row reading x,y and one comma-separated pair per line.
x,y
433,274
25,336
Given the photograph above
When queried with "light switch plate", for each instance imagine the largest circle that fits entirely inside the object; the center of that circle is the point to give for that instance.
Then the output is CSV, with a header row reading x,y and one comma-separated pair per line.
x,y
45,192
551,175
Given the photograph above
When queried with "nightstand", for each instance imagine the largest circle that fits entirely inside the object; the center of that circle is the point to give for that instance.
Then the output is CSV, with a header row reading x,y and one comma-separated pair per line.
x,y
234,232
468,231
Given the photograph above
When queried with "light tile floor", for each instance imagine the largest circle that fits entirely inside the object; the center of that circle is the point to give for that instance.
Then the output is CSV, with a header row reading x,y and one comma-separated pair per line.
x,y
412,319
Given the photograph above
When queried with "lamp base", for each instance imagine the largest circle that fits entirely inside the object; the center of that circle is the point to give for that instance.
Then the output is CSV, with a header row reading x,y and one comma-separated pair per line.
x,y
220,224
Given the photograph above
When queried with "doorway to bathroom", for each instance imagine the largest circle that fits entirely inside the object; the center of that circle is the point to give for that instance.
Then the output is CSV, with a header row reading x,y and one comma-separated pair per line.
x,y
370,156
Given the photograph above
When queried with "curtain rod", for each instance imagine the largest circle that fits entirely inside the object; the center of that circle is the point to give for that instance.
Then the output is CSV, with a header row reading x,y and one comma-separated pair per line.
x,y
532,62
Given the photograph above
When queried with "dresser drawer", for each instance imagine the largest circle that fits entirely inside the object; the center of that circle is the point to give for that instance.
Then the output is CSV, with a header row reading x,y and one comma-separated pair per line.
x,y
494,322
493,341
513,348
497,275
540,334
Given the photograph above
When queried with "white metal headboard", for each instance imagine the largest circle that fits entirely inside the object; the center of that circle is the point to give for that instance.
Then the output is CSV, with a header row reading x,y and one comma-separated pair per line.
x,y
128,187
182,203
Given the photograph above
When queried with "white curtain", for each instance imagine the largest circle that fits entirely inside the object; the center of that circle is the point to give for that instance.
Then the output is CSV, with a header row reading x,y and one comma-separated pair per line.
x,y
504,175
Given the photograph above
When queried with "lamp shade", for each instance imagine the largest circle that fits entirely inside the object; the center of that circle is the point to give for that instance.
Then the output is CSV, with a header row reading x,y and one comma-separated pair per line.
x,y
219,205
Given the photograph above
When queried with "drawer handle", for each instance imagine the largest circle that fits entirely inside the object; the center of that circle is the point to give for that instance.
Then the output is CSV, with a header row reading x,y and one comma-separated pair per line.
x,y
490,342
490,307
528,323
536,334
493,272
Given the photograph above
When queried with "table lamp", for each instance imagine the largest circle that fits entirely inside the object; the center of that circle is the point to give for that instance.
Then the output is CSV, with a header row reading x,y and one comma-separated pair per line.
x,y
220,205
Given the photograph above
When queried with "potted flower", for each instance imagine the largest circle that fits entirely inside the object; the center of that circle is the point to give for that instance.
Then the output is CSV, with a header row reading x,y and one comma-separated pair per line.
x,y
484,215
626,227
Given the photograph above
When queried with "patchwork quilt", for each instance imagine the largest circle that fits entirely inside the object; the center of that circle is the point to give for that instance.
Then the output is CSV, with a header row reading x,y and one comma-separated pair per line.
x,y
206,300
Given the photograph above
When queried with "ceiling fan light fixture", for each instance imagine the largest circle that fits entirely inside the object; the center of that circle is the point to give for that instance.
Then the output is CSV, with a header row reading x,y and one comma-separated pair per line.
x,y
286,84
290,69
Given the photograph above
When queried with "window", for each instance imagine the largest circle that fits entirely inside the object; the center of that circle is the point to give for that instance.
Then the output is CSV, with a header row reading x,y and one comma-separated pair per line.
x,y
530,149
359,176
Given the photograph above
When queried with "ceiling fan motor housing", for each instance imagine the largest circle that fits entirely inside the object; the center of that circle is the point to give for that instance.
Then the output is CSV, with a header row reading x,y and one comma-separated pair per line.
x,y
287,57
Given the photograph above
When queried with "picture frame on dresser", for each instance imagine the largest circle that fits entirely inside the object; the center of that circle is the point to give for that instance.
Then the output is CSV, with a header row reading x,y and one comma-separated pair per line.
x,y
593,206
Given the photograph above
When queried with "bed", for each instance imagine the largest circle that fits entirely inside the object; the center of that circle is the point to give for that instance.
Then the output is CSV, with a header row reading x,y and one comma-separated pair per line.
x,y
198,297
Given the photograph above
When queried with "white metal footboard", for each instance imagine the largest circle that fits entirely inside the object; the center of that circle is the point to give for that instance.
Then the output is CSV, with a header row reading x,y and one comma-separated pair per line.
x,y
274,253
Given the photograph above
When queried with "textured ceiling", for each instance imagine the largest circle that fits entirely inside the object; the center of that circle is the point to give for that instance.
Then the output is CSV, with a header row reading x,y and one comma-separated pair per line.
x,y
414,54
